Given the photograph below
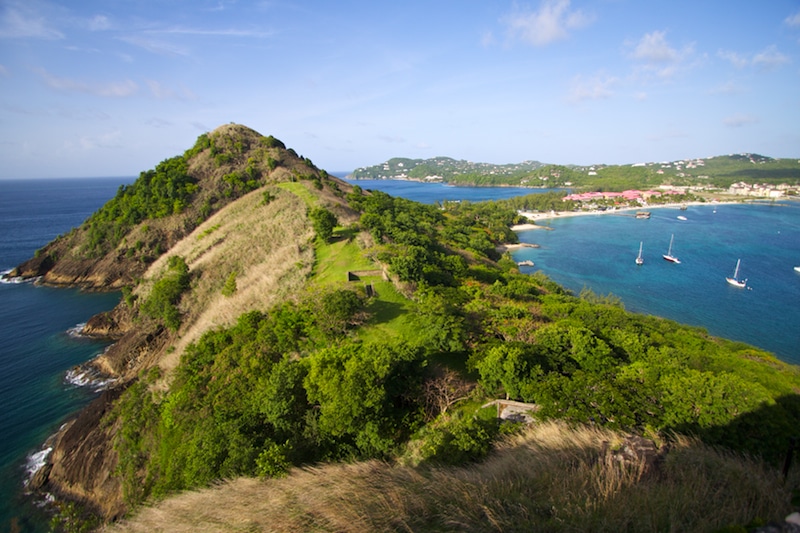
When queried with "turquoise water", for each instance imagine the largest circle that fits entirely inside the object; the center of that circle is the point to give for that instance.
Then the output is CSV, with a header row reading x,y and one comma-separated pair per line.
x,y
598,252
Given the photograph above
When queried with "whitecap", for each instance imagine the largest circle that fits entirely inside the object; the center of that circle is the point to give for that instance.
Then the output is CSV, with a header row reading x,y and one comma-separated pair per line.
x,y
5,278
82,377
35,461
77,330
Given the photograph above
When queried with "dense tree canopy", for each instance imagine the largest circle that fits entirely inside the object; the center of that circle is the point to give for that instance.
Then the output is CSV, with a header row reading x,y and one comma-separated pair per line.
x,y
297,384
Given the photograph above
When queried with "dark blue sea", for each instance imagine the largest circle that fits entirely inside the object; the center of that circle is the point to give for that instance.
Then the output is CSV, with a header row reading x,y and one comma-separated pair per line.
x,y
36,345
37,349
431,193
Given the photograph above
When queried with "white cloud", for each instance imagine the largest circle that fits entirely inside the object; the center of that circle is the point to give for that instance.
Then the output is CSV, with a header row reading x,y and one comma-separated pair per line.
x,y
88,143
726,88
99,23
735,59
162,92
155,46
656,55
768,59
653,47
112,90
552,22
793,20
739,120
593,88
229,32
21,20
3,71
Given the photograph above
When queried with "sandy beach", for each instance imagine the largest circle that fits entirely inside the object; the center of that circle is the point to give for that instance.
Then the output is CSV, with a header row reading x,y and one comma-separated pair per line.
x,y
536,216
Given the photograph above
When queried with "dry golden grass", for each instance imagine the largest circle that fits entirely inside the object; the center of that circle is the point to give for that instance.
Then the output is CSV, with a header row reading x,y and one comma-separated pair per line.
x,y
551,478
268,247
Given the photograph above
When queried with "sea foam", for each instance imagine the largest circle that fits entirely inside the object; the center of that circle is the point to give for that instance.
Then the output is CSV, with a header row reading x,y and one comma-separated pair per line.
x,y
35,461
89,378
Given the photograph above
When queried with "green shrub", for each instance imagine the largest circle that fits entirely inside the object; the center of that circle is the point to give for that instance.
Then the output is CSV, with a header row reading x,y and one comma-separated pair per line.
x,y
229,289
162,301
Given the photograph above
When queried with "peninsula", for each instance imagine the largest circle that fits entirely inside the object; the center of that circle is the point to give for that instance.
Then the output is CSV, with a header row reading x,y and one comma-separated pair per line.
x,y
350,361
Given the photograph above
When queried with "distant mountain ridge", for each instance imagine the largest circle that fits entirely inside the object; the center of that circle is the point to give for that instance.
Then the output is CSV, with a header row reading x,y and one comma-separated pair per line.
x,y
715,171
441,169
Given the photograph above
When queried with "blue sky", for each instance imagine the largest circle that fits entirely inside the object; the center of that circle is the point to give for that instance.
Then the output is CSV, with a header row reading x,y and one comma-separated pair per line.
x,y
110,88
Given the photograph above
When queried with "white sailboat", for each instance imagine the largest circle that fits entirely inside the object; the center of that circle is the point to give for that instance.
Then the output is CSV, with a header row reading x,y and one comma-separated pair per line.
x,y
668,256
735,281
640,259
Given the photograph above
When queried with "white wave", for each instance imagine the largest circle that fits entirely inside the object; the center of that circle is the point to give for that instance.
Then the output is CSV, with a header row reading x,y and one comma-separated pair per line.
x,y
81,377
35,461
76,330
5,278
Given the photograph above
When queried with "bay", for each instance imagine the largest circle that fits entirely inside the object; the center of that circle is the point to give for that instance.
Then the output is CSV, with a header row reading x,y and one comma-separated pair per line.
x,y
431,193
599,251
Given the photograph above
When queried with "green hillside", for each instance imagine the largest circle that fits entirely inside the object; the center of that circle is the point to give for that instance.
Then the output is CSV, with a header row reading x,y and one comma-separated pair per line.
x,y
310,323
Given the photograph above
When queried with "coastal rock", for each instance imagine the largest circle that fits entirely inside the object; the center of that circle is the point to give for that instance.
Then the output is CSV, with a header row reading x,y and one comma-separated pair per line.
x,y
40,478
83,460
109,325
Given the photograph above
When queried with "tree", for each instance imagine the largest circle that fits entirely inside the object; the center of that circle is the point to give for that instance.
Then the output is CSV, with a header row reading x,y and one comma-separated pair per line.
x,y
444,389
324,221
512,368
366,393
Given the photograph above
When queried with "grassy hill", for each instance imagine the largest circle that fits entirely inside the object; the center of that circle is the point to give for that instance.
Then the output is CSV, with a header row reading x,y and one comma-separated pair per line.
x,y
547,478
309,331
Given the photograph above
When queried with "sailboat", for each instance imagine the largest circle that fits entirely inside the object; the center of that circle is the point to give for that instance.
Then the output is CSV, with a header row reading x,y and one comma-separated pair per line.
x,y
735,281
639,259
668,256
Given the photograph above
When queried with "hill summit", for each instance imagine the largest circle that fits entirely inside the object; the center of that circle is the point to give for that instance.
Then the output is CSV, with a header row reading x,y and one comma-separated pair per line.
x,y
145,219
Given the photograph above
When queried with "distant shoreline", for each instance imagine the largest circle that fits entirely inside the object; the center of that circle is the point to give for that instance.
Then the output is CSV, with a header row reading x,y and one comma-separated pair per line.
x,y
535,216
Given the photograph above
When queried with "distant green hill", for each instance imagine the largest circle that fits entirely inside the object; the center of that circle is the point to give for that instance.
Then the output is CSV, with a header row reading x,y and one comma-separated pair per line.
x,y
717,172
449,170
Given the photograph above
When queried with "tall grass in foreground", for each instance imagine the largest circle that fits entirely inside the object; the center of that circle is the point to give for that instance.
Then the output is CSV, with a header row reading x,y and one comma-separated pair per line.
x,y
551,478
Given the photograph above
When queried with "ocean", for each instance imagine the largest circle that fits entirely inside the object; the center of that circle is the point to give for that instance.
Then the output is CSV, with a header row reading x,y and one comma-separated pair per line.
x,y
37,348
37,343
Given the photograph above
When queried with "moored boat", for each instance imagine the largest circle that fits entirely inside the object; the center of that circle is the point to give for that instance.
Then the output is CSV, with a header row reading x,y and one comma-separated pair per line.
x,y
668,256
734,280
